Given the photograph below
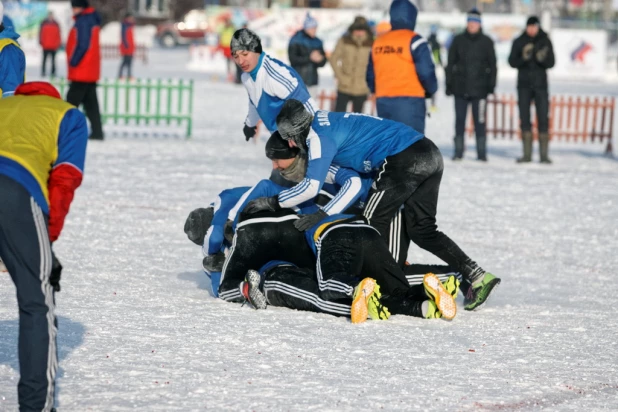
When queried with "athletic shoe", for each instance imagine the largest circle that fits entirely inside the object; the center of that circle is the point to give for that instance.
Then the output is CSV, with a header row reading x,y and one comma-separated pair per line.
x,y
251,290
477,295
375,308
443,299
361,297
432,311
452,286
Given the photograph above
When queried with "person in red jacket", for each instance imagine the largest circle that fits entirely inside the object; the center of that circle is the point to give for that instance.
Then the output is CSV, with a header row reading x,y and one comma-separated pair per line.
x,y
49,39
84,61
127,44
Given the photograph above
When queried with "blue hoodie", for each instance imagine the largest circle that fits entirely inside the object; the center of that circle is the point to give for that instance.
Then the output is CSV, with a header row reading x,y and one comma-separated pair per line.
x,y
12,62
403,15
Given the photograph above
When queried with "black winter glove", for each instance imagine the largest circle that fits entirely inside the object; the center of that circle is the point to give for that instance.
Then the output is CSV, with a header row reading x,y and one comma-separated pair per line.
x,y
449,92
214,263
228,231
262,204
527,51
249,132
541,54
308,221
54,278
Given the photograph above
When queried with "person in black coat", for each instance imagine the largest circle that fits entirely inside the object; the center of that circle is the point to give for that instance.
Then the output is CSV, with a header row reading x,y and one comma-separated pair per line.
x,y
532,54
306,53
471,76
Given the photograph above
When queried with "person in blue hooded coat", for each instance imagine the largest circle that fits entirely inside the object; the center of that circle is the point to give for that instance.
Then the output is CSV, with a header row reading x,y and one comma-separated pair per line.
x,y
12,58
401,72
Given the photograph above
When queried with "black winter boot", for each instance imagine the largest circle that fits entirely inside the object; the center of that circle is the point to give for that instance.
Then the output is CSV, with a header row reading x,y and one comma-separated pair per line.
x,y
544,147
526,138
481,148
459,148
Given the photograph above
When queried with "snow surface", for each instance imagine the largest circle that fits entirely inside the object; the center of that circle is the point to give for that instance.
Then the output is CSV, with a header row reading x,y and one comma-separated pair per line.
x,y
139,329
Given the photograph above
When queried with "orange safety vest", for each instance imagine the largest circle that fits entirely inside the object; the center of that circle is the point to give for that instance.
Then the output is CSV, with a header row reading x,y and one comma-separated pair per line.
x,y
393,65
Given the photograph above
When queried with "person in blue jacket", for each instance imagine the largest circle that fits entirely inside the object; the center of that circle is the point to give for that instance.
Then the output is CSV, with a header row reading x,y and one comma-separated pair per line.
x,y
269,82
12,58
401,71
408,169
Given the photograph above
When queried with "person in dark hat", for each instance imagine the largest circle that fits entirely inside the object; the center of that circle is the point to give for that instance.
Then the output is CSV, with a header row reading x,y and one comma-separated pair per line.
x,y
347,61
471,76
532,55
269,82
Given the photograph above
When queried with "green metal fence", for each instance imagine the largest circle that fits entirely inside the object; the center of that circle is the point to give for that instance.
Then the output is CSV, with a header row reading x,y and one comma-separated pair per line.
x,y
143,102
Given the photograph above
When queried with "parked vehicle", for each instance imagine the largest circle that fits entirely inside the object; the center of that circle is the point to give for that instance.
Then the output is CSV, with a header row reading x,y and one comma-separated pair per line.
x,y
192,29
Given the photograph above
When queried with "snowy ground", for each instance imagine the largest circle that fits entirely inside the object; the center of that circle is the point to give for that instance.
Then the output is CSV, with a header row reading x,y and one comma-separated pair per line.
x,y
139,329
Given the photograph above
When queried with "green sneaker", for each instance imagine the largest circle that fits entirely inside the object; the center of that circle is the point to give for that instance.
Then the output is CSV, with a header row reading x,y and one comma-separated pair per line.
x,y
432,311
478,295
375,308
452,286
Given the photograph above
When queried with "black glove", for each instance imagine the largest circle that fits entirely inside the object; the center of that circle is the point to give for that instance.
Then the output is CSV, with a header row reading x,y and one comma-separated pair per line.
x,y
54,278
449,92
214,263
249,132
262,204
308,221
228,231
428,95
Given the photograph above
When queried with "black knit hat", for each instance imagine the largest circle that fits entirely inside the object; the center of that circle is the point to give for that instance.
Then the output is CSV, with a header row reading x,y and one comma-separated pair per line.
x,y
245,39
533,20
278,148
79,3
197,224
294,122
474,15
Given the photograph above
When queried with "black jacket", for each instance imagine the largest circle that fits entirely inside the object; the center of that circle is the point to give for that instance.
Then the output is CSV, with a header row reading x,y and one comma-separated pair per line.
x,y
471,69
299,50
532,73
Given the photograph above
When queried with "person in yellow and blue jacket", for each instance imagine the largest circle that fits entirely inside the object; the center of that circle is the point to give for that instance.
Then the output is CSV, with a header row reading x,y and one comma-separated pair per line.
x,y
12,59
42,150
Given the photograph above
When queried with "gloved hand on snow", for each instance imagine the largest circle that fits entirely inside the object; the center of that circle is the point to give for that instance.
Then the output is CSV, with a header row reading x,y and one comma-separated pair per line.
x,y
249,132
262,204
214,263
56,272
308,221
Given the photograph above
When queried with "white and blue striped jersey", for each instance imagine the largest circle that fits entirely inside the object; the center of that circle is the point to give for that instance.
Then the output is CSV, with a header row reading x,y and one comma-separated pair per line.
x,y
351,140
269,85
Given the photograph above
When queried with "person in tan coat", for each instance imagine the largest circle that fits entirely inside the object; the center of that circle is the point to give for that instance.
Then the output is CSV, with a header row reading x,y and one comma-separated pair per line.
x,y
349,62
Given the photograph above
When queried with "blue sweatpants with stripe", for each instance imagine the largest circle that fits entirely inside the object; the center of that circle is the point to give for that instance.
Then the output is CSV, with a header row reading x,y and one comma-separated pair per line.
x,y
25,250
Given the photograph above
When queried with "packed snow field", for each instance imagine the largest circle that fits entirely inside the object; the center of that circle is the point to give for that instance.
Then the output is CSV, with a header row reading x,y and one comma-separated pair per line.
x,y
139,329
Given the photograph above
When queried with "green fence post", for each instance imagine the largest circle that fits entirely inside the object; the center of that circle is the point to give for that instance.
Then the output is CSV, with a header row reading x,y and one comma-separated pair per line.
x,y
138,90
116,97
169,101
105,98
190,114
127,91
181,89
158,102
148,101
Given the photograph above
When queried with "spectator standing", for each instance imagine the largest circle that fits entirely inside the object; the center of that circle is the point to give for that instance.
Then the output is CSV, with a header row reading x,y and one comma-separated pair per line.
x,y
12,58
349,62
84,61
400,71
225,37
50,41
306,54
436,53
532,54
471,76
127,44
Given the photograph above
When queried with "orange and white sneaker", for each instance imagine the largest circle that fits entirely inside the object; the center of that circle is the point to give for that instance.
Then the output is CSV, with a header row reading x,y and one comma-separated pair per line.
x,y
362,294
438,293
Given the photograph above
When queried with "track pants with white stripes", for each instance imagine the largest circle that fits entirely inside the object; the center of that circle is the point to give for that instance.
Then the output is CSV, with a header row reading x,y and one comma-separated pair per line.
x,y
26,252
262,238
412,178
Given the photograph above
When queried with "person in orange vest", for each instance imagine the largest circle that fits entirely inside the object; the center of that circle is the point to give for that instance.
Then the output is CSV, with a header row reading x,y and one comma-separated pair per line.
x,y
42,152
12,58
49,39
84,61
127,44
400,71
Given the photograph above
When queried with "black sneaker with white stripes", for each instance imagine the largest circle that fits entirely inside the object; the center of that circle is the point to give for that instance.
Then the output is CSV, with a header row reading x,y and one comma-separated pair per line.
x,y
251,290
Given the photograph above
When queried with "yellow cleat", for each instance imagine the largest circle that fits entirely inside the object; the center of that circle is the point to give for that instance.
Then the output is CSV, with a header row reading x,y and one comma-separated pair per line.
x,y
432,311
452,286
362,294
377,311
443,299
